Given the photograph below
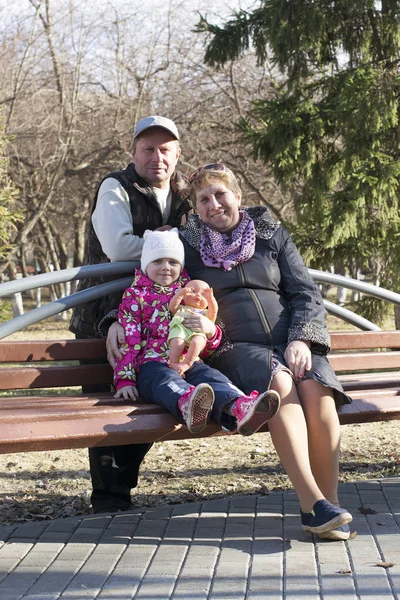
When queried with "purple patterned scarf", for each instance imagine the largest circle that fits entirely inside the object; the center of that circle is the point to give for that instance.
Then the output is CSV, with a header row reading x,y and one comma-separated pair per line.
x,y
226,251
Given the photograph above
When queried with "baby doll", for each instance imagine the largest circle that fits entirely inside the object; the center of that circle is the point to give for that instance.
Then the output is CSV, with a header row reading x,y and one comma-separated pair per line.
x,y
197,297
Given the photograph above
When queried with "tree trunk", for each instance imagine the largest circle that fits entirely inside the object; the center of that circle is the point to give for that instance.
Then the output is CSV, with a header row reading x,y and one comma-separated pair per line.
x,y
17,302
397,316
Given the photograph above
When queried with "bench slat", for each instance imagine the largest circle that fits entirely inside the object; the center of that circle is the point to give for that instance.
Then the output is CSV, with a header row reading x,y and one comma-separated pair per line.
x,y
127,427
367,381
38,350
365,361
362,340
42,377
83,433
76,375
63,407
365,410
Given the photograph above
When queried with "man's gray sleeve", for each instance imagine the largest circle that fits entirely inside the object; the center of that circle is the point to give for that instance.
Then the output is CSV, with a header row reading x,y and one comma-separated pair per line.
x,y
112,222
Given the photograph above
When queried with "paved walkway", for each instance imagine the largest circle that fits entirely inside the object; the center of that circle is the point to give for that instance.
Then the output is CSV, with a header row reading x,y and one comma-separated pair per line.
x,y
247,547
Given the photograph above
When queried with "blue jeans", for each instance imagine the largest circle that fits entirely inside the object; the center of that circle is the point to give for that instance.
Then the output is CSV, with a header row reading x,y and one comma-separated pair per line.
x,y
159,384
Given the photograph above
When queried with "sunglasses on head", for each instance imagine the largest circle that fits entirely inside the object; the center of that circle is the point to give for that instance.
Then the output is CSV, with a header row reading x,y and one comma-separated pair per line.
x,y
210,167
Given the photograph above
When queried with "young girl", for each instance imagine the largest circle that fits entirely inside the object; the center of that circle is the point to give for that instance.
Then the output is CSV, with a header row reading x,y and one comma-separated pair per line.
x,y
144,368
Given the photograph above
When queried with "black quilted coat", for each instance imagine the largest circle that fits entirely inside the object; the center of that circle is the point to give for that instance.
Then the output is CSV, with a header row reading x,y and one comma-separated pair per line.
x,y
263,304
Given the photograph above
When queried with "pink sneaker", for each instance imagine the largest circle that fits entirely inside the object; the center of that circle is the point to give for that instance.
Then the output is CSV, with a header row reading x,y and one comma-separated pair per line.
x,y
195,406
253,411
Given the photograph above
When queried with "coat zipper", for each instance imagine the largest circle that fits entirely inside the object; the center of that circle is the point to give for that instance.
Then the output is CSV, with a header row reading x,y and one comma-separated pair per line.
x,y
255,299
260,312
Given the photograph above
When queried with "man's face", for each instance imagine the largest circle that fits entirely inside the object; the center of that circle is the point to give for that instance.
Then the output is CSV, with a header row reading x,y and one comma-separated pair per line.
x,y
155,156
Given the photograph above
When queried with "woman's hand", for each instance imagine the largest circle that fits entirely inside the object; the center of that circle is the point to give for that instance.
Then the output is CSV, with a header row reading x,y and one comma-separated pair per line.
x,y
298,358
127,392
200,324
115,339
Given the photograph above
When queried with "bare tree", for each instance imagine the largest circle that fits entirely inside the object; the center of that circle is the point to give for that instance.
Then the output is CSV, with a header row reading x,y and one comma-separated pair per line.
x,y
74,84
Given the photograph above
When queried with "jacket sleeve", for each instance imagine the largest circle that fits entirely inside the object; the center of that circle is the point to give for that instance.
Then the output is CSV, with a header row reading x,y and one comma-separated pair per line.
x,y
307,311
212,343
112,222
129,316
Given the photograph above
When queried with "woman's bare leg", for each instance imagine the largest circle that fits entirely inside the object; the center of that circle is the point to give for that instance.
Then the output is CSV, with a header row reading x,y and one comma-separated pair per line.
x,y
323,435
288,430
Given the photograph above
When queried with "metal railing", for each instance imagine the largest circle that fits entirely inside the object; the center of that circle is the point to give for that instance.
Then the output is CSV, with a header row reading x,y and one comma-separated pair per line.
x,y
121,268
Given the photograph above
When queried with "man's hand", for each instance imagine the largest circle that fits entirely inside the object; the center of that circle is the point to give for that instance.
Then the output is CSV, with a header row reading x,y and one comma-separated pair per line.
x,y
115,339
127,392
200,323
298,358
164,228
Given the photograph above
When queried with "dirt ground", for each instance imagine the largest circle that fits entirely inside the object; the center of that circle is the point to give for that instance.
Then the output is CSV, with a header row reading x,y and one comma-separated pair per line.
x,y
49,485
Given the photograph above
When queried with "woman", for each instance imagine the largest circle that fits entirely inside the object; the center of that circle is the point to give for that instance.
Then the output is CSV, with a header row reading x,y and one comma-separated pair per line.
x,y
275,335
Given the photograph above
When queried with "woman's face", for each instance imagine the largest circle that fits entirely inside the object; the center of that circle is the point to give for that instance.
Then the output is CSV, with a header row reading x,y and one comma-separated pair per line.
x,y
218,206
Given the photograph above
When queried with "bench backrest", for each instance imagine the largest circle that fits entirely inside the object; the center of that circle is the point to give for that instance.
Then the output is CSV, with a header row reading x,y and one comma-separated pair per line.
x,y
55,363
52,363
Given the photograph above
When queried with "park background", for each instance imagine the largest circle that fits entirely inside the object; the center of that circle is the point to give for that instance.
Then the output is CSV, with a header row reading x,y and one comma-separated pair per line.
x,y
301,99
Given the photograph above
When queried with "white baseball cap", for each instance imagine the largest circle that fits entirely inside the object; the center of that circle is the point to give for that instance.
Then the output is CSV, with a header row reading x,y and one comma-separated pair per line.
x,y
156,121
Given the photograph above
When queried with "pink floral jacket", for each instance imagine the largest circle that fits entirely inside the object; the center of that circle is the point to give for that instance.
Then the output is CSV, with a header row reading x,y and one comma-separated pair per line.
x,y
145,317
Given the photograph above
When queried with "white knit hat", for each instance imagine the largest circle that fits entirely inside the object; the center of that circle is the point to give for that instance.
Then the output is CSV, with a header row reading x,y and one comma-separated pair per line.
x,y
161,244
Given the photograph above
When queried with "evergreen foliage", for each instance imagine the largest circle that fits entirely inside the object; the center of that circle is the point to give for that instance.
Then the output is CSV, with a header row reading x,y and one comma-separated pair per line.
x,y
331,132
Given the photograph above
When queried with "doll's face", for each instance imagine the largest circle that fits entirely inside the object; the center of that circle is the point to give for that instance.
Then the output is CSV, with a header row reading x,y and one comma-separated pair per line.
x,y
195,297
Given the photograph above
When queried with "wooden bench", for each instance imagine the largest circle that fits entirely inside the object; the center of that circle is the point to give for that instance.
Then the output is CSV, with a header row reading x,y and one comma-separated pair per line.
x,y
368,364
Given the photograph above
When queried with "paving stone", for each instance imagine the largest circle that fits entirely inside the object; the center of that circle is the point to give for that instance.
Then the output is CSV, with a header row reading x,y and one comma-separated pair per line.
x,y
37,558
75,551
50,537
225,549
29,531
14,549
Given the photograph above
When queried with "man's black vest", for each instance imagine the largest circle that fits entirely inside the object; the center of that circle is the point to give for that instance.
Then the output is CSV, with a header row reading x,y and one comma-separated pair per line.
x,y
146,214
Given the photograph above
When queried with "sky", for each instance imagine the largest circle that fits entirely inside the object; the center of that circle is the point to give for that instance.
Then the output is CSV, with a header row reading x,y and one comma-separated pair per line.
x,y
215,9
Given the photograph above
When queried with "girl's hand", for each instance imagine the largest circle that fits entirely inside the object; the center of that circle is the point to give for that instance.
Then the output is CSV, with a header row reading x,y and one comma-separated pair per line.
x,y
127,392
200,324
298,358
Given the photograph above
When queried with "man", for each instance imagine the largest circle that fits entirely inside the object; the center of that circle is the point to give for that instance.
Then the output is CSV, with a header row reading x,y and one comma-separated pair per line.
x,y
148,194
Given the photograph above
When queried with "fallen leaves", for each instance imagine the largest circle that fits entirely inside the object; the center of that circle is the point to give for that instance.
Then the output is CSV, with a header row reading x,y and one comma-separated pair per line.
x,y
367,511
385,565
25,507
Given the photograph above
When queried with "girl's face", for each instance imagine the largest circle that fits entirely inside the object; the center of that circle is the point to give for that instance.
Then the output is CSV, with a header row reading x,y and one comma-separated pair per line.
x,y
164,271
218,206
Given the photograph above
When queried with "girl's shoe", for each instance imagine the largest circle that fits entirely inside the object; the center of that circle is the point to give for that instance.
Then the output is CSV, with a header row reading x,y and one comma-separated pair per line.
x,y
341,533
253,411
195,406
324,517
